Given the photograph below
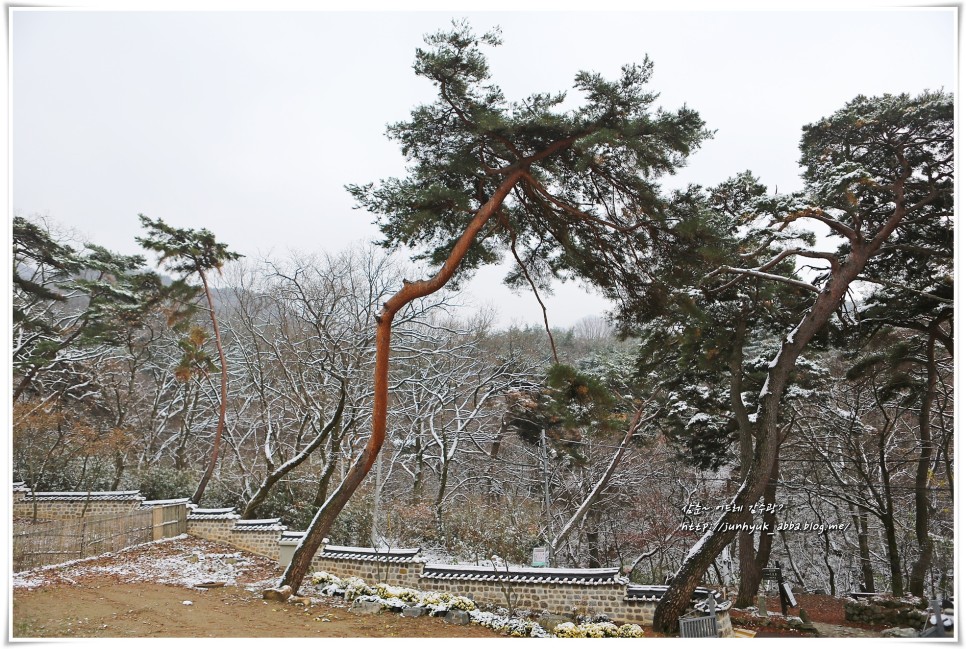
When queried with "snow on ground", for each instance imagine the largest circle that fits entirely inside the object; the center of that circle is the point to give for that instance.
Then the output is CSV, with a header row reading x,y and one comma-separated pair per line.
x,y
179,561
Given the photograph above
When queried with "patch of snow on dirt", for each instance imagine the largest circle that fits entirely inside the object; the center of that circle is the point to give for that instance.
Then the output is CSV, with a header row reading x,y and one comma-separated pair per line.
x,y
179,561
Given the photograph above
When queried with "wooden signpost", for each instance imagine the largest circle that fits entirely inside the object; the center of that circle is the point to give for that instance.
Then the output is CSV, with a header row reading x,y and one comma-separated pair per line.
x,y
785,595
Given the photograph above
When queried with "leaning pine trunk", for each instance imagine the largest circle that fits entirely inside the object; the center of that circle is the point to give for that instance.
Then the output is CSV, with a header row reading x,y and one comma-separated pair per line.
x,y
410,291
675,601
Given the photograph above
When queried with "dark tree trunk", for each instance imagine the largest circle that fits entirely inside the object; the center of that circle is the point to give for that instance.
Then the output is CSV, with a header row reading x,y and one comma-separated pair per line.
x,y
791,560
895,561
688,577
828,564
750,575
861,522
593,549
917,576
324,480
889,521
592,525
417,473
755,561
441,494
180,454
118,470
490,493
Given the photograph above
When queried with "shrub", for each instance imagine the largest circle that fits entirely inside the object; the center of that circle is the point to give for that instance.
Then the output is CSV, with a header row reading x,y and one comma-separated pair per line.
x,y
165,483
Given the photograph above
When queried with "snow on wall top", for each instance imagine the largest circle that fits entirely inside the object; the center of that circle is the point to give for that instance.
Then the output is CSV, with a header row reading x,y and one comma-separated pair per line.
x,y
369,554
159,503
525,575
224,513
83,496
652,593
249,525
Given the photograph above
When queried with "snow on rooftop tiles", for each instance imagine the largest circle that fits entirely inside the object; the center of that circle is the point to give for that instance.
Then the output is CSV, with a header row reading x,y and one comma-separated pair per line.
x,y
369,554
223,513
81,496
259,524
172,501
525,575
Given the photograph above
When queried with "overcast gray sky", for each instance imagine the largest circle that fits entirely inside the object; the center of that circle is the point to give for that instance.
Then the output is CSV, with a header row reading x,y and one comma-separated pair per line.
x,y
251,123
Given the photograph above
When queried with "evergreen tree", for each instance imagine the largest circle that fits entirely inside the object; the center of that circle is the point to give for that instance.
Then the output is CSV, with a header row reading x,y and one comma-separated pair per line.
x,y
562,190
188,253
65,299
874,171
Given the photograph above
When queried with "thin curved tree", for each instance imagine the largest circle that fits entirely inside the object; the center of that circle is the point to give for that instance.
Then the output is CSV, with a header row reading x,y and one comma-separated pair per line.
x,y
188,253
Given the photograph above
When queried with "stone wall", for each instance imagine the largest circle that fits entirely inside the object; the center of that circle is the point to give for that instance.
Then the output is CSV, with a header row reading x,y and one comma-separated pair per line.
x,y
402,574
887,611
561,591
582,592
212,524
565,599
225,526
257,536
67,505
607,598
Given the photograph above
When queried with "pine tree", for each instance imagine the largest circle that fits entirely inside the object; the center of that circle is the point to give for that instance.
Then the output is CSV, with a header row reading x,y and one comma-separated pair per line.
x,y
65,299
188,253
562,190
875,171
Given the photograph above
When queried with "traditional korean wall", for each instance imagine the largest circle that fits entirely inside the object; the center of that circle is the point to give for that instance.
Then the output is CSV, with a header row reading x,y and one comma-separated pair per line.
x,y
62,506
225,526
402,574
577,592
258,537
213,524
561,598
542,592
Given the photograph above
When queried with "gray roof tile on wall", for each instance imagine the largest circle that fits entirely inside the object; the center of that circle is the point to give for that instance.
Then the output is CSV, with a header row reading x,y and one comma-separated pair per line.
x,y
575,576
84,496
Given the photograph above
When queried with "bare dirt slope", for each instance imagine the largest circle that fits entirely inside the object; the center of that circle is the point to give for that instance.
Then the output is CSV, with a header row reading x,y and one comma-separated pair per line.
x,y
151,592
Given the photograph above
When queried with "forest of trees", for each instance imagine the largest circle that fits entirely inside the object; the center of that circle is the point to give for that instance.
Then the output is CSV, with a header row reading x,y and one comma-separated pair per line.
x,y
775,362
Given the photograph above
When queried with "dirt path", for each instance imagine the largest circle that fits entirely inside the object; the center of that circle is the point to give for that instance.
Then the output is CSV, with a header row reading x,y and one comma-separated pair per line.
x,y
148,592
102,609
